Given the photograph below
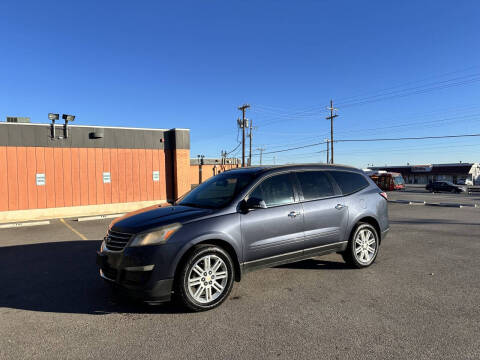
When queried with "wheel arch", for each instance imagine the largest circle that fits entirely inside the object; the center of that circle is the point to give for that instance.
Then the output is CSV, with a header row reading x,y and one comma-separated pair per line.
x,y
225,245
369,220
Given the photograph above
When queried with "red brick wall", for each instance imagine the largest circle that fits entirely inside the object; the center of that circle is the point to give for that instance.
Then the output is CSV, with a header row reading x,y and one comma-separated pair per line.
x,y
182,172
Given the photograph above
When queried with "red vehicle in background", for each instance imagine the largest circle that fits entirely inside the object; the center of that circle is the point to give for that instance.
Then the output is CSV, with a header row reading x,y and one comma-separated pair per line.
x,y
388,181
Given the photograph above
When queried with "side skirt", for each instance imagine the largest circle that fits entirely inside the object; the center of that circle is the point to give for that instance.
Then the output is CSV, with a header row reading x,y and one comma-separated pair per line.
x,y
292,257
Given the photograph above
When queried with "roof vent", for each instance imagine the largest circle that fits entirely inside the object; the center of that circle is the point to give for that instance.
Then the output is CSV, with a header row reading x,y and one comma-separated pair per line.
x,y
97,134
16,119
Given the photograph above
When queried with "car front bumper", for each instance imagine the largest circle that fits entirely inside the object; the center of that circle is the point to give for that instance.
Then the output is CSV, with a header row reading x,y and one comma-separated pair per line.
x,y
133,277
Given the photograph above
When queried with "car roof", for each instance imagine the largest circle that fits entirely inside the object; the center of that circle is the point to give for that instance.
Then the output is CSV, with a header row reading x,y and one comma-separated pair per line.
x,y
278,168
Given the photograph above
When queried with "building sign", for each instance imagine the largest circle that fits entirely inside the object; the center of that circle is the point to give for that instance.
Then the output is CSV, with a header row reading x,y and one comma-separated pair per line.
x,y
156,175
106,178
40,179
421,168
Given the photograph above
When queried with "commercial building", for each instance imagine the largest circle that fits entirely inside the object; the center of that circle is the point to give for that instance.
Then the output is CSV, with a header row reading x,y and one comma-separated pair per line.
x,y
423,174
52,171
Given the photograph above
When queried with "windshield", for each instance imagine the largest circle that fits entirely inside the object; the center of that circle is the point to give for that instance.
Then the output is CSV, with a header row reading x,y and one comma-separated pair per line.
x,y
398,180
217,191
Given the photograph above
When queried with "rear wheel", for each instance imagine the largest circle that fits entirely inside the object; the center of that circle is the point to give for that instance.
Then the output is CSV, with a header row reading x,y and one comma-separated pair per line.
x,y
205,279
363,246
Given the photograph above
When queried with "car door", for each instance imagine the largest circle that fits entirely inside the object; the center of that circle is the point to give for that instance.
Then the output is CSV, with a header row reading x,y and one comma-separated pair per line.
x,y
325,213
276,230
444,187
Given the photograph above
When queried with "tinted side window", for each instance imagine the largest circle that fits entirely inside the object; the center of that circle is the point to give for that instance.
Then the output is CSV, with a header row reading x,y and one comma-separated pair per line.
x,y
315,185
349,182
276,190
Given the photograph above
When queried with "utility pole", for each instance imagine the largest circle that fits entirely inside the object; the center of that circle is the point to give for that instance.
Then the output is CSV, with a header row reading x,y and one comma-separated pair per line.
x,y
200,163
331,117
261,149
250,135
243,124
328,145
224,159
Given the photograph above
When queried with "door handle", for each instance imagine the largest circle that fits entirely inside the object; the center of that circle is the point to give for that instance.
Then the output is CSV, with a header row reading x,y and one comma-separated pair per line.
x,y
293,214
339,206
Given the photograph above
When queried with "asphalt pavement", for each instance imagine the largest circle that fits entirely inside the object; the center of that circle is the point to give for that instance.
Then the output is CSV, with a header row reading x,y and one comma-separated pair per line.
x,y
420,300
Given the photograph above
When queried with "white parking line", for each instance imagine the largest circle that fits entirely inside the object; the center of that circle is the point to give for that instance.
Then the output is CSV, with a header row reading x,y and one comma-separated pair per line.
x,y
24,224
99,217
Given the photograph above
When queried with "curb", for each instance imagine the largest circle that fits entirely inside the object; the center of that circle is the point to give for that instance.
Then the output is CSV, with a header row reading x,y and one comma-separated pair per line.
x,y
424,203
445,205
24,224
99,217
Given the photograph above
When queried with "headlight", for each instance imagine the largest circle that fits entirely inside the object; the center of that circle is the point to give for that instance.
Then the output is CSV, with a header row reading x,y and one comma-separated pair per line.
x,y
159,236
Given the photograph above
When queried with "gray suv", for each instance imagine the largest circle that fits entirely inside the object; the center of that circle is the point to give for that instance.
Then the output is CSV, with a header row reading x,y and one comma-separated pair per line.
x,y
243,220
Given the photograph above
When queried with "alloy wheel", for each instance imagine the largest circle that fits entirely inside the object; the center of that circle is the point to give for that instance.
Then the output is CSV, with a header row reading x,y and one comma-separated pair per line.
x,y
365,246
207,279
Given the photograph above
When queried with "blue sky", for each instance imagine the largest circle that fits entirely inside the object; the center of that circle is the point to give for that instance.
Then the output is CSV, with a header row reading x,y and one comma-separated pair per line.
x,y
190,64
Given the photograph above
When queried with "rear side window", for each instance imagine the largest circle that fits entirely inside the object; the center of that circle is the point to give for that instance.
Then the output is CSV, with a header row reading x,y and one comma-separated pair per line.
x,y
349,182
276,190
315,185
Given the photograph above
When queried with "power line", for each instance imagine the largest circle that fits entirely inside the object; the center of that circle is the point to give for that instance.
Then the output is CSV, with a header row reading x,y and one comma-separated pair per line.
x,y
409,138
228,153
350,98
400,93
294,148
409,92
376,139
405,125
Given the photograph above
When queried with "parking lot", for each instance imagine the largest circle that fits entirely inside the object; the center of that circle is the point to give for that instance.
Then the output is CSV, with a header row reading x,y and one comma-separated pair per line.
x,y
417,193
420,300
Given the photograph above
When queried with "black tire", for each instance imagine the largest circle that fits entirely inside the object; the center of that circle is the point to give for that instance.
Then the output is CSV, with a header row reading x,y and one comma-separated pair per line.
x,y
349,254
181,291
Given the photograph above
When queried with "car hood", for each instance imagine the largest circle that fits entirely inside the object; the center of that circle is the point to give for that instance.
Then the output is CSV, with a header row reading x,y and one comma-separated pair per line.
x,y
155,216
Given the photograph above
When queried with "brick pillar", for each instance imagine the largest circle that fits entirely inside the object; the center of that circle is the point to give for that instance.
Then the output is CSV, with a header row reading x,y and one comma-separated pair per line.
x,y
179,162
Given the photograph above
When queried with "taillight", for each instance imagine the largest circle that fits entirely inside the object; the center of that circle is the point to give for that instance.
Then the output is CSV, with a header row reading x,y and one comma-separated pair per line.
x,y
384,195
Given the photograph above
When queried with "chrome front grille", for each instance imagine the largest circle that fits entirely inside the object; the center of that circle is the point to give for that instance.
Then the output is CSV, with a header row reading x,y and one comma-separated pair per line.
x,y
116,241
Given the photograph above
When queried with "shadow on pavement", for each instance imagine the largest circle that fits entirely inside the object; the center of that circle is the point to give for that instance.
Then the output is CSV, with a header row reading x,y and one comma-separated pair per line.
x,y
61,277
315,264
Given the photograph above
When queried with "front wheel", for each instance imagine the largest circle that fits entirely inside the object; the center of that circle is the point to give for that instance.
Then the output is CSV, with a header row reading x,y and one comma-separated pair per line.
x,y
363,246
205,278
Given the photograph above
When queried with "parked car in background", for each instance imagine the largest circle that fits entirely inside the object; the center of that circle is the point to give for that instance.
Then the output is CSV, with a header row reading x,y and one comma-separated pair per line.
x,y
444,186
388,181
239,221
467,182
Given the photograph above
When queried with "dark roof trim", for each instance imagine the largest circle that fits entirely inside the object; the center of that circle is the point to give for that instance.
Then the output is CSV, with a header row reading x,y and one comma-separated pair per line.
x,y
39,135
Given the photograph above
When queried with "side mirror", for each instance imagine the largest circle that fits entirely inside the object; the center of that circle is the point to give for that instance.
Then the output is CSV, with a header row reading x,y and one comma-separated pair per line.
x,y
253,203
